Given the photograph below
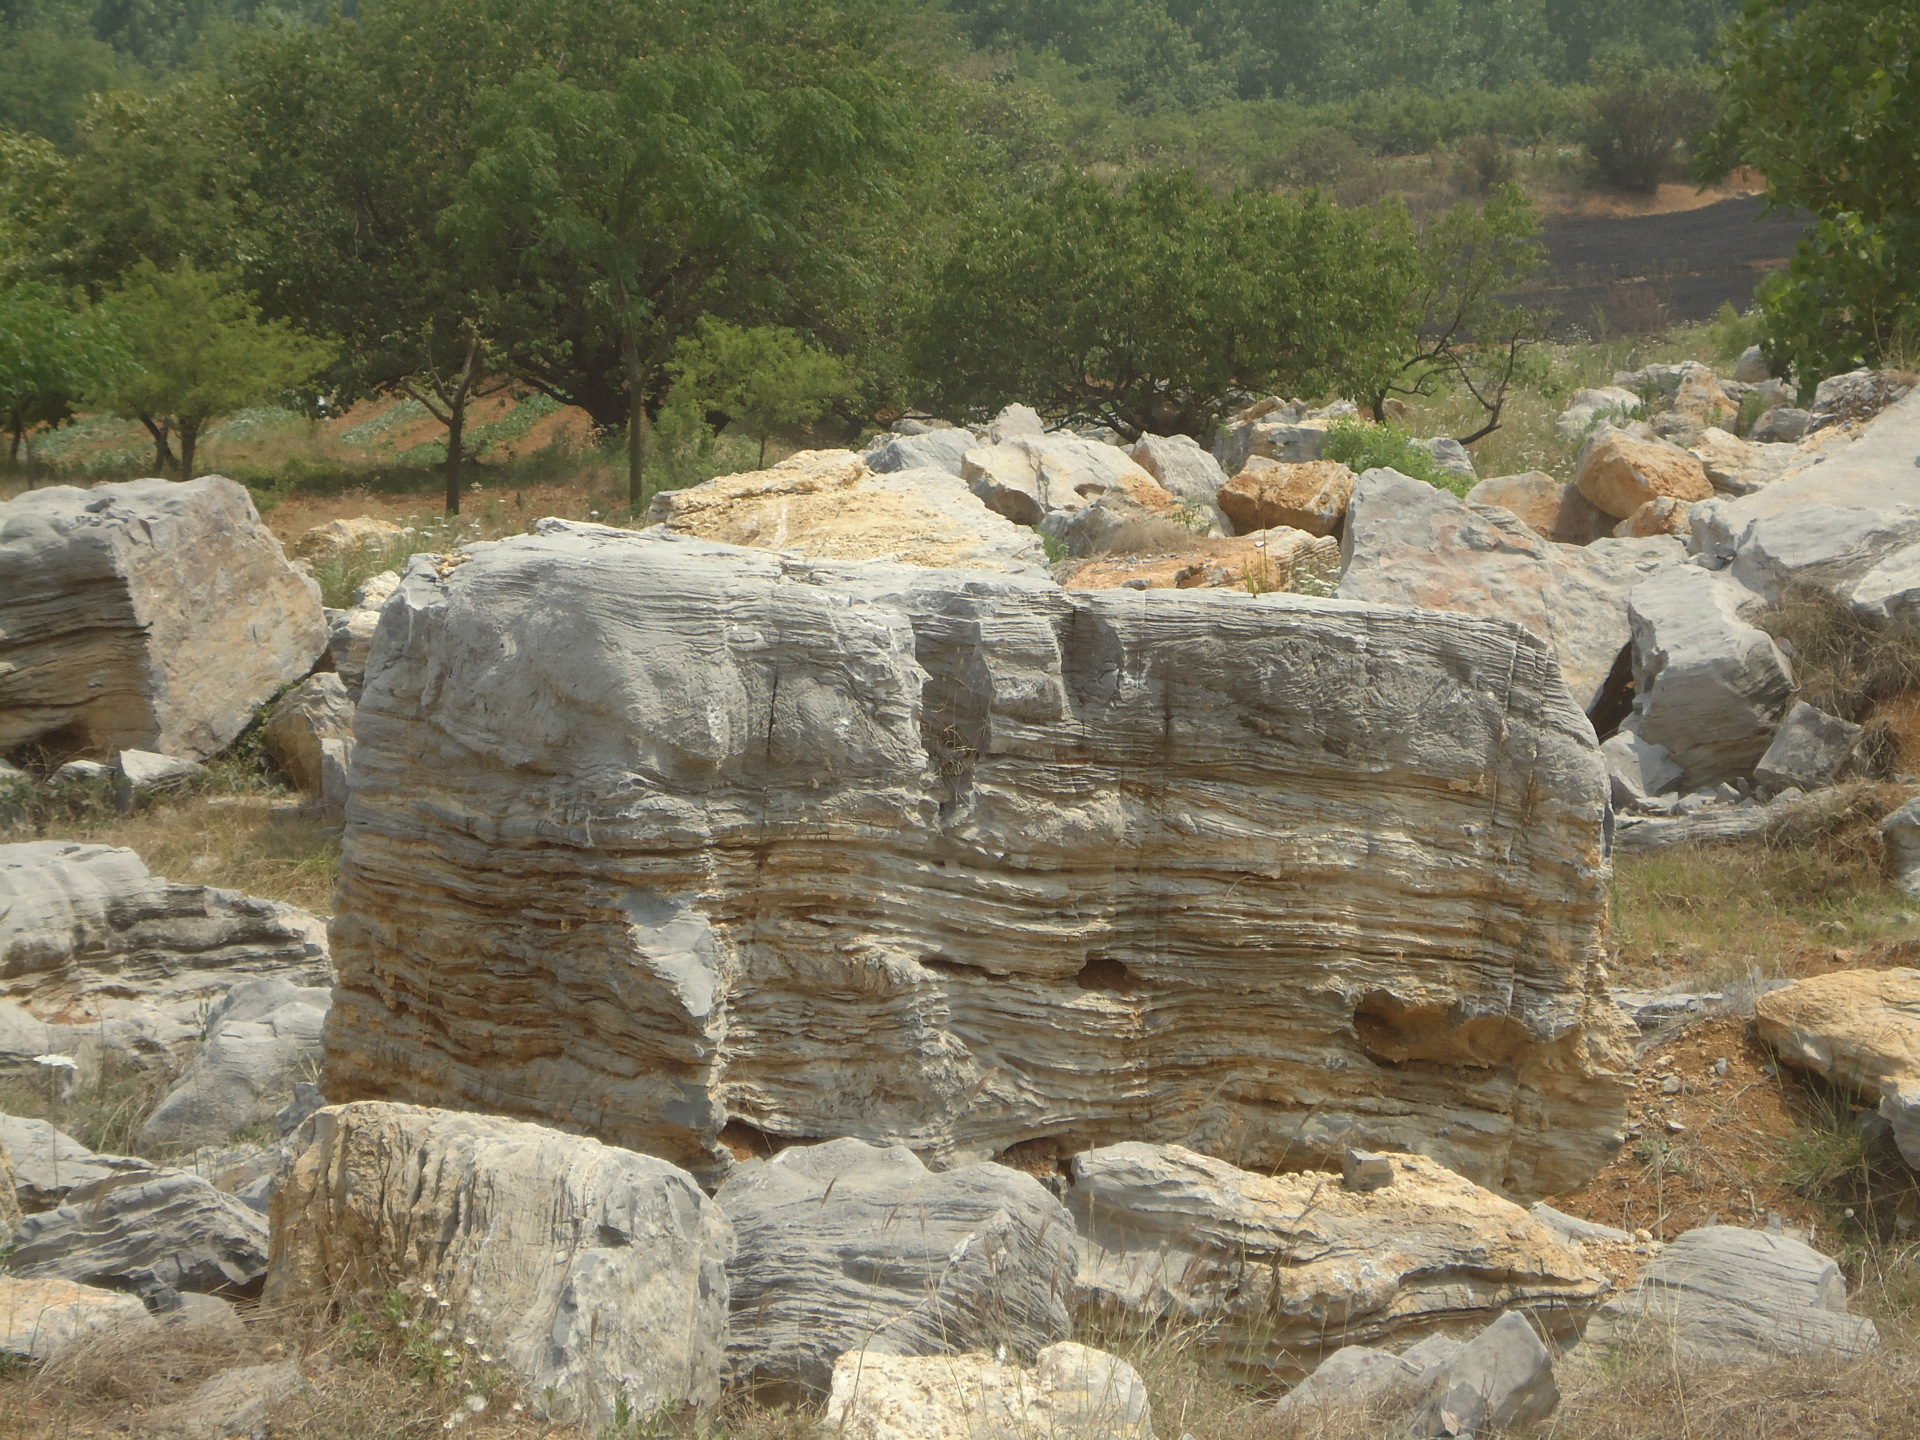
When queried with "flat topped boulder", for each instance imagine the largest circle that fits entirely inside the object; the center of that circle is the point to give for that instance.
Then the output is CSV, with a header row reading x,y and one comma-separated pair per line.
x,y
829,505
148,615
653,837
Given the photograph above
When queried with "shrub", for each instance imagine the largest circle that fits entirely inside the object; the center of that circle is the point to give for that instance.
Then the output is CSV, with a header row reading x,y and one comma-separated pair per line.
x,y
1362,447
1640,116
1730,332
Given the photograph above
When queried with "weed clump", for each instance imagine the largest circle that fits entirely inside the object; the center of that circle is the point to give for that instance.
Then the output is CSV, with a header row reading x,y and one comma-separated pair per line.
x,y
1362,447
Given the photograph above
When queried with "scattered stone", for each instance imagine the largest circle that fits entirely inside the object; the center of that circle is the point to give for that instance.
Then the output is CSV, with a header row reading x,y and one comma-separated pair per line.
x,y
1700,402
1900,833
1186,472
665,971
1363,1171
1071,1393
316,710
1500,1380
1663,515
1279,430
1549,507
1274,1266
1739,467
592,1272
1751,367
1026,478
336,771
1311,496
930,450
233,1403
1571,1228
1858,395
1782,425
1808,749
262,1039
140,774
85,771
1351,1376
1619,473
350,631
1710,687
1013,422
48,1164
1265,562
344,539
1637,768
828,505
846,1244
1857,1028
1732,1296
38,1317
149,615
1449,456
151,1232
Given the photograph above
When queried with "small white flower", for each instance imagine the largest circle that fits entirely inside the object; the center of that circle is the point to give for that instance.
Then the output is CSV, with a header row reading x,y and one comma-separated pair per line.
x,y
57,1062
475,1403
516,1407
406,1324
471,1342
446,1354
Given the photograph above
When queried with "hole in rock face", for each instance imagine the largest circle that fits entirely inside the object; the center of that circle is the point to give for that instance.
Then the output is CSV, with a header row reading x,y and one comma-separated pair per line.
x,y
609,1237
1048,1158
956,967
750,1142
1615,704
1395,1032
1103,972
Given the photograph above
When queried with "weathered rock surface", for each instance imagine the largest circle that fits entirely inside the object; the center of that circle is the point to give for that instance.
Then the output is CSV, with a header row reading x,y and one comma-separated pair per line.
x,y
1071,1393
1285,430
1025,477
1118,523
828,505
1311,496
90,940
263,1038
1265,562
38,1317
1609,404
1728,1295
1857,1028
234,1403
49,1164
959,861
1275,1266
1858,394
350,631
1699,402
1500,1380
1619,473
1186,472
1638,768
1740,467
153,1232
932,450
1450,457
1710,688
1663,515
850,1246
149,615
591,1271
1784,424
316,710
10,1211
1408,543
1808,749
1551,508
141,774
338,539
1900,833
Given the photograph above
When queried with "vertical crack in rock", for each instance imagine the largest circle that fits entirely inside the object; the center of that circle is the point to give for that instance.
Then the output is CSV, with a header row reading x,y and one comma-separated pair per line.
x,y
659,839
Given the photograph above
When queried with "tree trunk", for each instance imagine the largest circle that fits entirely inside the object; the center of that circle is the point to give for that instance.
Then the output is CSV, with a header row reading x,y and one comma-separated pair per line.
x,y
763,454
189,434
162,451
456,427
29,457
636,405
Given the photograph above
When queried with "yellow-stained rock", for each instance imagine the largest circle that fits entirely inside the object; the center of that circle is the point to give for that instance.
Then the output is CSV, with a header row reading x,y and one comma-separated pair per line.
x,y
1620,473
1857,1028
1662,515
1553,509
1265,561
1311,496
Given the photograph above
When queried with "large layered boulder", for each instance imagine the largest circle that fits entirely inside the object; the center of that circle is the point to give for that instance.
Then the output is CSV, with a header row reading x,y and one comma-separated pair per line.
x,y
1272,1266
956,861
47,1165
594,1273
850,1246
95,950
1410,543
1619,473
1072,1392
1859,1029
146,616
262,1040
38,1318
1311,496
829,505
1732,1296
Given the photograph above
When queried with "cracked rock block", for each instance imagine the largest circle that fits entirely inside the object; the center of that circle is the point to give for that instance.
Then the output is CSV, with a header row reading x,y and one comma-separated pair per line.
x,y
1186,472
38,1317
1071,1393
1637,769
1310,496
49,1164
146,616
1733,1296
262,1040
1553,509
1857,1028
943,450
1619,473
592,1272
301,721
847,1246
1027,477
957,861
1499,1381
1278,1268
1808,749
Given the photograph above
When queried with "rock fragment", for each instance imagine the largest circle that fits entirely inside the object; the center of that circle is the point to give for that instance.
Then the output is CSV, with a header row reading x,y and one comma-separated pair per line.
x,y
1310,496
1071,1393
1619,473
38,1317
316,710
1188,473
1549,507
1859,1029
1808,749
262,1039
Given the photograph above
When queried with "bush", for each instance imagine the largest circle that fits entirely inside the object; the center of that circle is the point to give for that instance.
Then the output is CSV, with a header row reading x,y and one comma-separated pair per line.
x,y
1640,116
1362,447
1730,332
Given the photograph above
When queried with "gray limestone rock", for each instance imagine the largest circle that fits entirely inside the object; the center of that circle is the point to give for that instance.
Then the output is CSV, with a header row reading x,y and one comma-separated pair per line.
x,y
1014,421
233,1405
262,1040
1710,688
316,710
1808,749
1500,1380
1638,769
848,1246
1187,472
350,631
1782,425
1751,367
139,774
1572,1227
1900,832
1450,456
148,615
153,1232
1736,1296
864,856
48,1164
933,450
38,1318
1353,1375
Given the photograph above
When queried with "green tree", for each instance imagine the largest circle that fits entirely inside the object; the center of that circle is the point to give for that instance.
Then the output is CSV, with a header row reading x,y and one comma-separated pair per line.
x,y
1467,335
1641,116
52,350
760,377
1147,308
198,350
32,181
1823,98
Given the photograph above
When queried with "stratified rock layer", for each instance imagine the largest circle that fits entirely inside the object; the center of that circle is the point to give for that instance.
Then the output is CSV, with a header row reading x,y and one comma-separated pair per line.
x,y
146,616
653,837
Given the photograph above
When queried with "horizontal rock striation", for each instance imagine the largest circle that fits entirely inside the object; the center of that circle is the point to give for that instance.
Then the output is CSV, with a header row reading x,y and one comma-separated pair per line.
x,y
673,842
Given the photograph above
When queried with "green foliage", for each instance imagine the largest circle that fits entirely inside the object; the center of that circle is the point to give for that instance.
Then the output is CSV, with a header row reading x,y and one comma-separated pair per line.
x,y
53,349
1730,332
46,77
1642,116
1823,97
761,377
199,350
1147,307
1362,447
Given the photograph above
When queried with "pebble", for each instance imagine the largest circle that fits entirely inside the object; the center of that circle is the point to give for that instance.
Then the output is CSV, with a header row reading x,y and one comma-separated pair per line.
x,y
1720,1067
1670,1086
